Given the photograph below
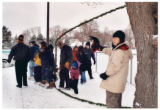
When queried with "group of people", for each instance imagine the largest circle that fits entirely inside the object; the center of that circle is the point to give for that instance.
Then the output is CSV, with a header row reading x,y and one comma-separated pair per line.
x,y
41,62
74,63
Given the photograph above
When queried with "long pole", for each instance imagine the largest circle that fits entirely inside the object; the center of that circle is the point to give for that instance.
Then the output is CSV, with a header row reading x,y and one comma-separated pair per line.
x,y
47,23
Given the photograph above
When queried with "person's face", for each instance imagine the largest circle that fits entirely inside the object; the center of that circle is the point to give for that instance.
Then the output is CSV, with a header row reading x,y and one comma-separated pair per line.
x,y
116,41
42,49
31,44
87,46
76,49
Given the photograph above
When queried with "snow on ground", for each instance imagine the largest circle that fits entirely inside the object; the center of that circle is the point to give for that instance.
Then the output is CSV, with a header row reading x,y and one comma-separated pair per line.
x,y
36,96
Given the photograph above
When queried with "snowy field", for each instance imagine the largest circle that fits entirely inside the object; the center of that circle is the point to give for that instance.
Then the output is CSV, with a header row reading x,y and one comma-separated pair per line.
x,y
36,96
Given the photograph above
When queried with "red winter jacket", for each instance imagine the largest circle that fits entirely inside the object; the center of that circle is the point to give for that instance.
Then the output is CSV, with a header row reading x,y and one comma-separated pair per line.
x,y
74,55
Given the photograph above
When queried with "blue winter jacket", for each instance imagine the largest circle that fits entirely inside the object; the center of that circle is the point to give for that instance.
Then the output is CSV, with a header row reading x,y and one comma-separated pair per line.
x,y
33,50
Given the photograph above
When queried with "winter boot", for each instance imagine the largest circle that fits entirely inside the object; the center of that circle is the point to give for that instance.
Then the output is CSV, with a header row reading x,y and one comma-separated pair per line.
x,y
76,91
18,86
67,88
51,85
44,82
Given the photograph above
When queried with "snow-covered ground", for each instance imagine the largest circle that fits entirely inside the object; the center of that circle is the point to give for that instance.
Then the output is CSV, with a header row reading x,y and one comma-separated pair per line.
x,y
36,96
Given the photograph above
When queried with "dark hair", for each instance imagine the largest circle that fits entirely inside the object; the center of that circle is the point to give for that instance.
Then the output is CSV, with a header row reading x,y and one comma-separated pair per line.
x,y
75,47
96,44
37,45
50,46
32,42
120,34
81,49
21,37
44,44
88,43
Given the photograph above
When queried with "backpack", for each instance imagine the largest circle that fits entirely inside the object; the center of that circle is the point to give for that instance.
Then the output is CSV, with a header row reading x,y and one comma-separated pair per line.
x,y
37,60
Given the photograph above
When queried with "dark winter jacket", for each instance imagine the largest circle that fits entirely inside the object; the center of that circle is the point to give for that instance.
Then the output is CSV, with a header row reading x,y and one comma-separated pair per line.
x,y
66,55
33,50
89,54
20,52
47,59
83,59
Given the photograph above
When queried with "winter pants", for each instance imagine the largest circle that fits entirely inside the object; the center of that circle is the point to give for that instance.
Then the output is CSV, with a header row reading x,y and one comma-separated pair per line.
x,y
31,67
21,72
64,77
74,85
38,73
47,73
83,77
113,100
89,69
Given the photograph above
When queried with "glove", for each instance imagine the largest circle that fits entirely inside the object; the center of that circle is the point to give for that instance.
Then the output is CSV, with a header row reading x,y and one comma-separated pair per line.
x,y
103,76
67,65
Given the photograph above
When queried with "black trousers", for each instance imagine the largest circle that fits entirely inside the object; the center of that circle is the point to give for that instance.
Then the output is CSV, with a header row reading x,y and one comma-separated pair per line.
x,y
38,73
74,85
89,69
21,72
64,77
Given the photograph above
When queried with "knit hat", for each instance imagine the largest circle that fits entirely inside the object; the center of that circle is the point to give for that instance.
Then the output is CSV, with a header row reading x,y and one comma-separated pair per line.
x,y
74,65
120,35
88,43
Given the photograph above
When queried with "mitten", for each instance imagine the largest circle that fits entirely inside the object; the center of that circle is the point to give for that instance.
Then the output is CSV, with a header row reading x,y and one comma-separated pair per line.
x,y
104,76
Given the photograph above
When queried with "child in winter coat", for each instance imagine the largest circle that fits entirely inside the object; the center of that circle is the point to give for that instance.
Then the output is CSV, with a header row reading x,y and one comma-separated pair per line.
x,y
74,73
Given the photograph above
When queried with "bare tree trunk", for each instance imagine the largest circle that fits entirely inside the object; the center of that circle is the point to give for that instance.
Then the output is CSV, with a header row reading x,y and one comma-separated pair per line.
x,y
144,26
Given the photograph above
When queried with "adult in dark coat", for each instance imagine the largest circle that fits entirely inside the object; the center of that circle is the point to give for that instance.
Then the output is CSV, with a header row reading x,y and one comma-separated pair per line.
x,y
90,55
48,65
83,59
50,48
66,58
21,55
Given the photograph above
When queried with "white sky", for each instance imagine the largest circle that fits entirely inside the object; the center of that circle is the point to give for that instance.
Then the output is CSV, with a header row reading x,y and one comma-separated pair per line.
x,y
19,16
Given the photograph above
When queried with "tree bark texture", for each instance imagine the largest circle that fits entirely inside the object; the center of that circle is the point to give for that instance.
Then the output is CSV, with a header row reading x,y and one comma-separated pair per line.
x,y
144,26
